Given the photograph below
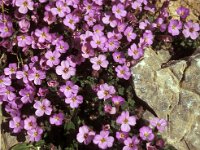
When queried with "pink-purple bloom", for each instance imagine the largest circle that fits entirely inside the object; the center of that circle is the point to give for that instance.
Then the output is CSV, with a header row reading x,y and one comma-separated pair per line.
x,y
69,89
125,120
135,52
103,140
60,9
130,35
70,21
57,119
119,57
123,72
85,135
35,134
105,91
174,27
52,58
24,5
119,11
30,123
4,81
191,30
160,124
118,100
146,133
74,100
183,12
12,68
131,143
121,136
16,124
43,107
23,74
99,62
36,76
43,35
65,70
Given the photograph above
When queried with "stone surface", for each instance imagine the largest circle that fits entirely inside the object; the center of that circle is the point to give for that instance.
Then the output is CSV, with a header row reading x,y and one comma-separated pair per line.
x,y
193,5
174,94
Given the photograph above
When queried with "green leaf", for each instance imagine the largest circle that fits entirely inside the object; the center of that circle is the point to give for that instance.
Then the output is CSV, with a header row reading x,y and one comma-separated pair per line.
x,y
69,126
21,146
40,143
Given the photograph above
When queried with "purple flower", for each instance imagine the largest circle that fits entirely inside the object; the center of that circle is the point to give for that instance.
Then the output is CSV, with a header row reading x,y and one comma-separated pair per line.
x,y
35,134
147,39
131,143
160,24
109,109
85,135
70,21
42,92
103,140
129,34
191,30
62,46
121,136
136,5
183,12
174,27
119,57
23,74
144,24
98,30
123,72
108,19
16,124
60,9
98,41
69,89
27,95
118,100
112,44
43,35
24,5
90,19
52,58
4,81
105,91
24,40
30,123
65,70
74,101
37,76
146,134
57,119
7,93
135,52
24,25
12,68
126,121
99,62
43,107
119,11
49,17
160,124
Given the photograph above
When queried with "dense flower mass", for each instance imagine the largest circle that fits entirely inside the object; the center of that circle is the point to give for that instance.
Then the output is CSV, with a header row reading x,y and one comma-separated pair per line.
x,y
66,69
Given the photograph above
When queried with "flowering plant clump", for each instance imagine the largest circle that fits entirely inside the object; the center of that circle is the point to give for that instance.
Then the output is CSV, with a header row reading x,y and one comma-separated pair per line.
x,y
66,70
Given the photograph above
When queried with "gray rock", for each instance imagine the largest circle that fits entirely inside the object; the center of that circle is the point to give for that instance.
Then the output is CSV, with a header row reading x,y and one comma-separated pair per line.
x,y
174,94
